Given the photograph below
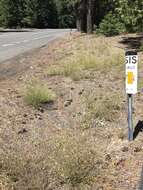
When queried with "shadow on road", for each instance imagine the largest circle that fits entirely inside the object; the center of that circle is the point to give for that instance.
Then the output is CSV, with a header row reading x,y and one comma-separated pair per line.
x,y
133,42
138,129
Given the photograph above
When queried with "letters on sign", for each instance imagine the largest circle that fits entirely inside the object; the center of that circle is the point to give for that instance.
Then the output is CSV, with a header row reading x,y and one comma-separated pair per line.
x,y
131,74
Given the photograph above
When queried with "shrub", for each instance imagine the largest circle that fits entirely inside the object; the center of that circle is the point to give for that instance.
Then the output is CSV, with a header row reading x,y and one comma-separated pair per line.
x,y
73,160
37,94
111,26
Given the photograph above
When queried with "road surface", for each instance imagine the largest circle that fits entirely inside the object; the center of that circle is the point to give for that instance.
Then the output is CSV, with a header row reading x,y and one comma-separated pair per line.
x,y
15,43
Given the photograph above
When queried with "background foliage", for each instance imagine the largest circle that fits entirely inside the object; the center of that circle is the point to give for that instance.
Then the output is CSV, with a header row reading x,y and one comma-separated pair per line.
x,y
110,16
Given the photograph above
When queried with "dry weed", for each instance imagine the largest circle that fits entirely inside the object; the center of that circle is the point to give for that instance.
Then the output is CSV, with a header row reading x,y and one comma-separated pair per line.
x,y
89,54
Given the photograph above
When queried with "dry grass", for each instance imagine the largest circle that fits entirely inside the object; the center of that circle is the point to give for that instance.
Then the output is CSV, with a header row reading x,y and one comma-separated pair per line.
x,y
5,183
36,94
101,109
88,54
74,160
140,84
48,157
66,159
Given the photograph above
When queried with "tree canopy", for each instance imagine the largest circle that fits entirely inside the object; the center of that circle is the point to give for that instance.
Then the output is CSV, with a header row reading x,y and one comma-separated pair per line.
x,y
86,15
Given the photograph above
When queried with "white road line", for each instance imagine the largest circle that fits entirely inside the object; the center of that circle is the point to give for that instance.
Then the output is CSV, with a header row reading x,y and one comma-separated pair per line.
x,y
25,41
6,45
17,42
38,38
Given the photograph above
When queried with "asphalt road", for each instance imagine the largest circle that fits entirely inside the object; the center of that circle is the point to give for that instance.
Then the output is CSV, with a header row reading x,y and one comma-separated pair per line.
x,y
15,43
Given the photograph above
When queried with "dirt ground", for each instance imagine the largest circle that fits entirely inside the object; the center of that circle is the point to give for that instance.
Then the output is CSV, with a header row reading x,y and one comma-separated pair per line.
x,y
27,133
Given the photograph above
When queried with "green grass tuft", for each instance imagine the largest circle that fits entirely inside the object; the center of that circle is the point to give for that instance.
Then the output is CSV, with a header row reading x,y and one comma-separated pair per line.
x,y
37,94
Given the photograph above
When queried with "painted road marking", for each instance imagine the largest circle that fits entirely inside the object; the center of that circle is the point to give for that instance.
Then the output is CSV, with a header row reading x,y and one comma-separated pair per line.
x,y
26,41
6,45
17,42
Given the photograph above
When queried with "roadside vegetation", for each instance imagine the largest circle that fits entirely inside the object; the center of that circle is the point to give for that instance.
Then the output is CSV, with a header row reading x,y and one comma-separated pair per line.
x,y
37,94
72,162
108,17
101,109
76,138
79,142
94,54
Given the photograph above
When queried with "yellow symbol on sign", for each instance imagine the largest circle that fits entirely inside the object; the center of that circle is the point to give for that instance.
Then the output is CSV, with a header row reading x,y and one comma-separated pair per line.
x,y
130,77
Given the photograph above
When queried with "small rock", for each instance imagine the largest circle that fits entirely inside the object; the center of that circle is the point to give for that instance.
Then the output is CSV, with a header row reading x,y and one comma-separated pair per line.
x,y
72,88
20,78
37,115
22,131
68,102
41,110
79,113
18,96
100,188
40,118
25,115
81,92
137,149
100,86
50,106
125,149
24,122
121,163
108,157
134,110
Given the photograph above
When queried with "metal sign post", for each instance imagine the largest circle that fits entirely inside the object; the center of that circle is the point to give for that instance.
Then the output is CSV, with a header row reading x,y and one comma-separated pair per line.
x,y
131,86
130,118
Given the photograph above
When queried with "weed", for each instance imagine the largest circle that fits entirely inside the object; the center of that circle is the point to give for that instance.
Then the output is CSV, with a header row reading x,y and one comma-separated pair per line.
x,y
66,70
37,94
67,158
101,109
97,55
73,160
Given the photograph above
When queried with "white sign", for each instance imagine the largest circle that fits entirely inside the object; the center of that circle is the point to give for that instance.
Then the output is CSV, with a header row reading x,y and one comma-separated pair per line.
x,y
131,74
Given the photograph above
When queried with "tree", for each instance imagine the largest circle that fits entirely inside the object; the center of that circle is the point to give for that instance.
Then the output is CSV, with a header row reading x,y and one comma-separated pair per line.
x,y
90,9
11,12
131,14
40,13
66,15
84,10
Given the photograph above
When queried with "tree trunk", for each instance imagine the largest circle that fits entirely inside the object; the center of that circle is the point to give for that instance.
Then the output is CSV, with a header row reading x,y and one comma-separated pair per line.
x,y
81,16
90,17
